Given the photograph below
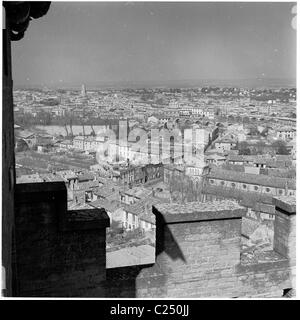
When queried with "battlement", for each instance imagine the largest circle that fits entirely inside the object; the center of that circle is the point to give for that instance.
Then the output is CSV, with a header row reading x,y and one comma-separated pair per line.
x,y
195,211
57,252
198,251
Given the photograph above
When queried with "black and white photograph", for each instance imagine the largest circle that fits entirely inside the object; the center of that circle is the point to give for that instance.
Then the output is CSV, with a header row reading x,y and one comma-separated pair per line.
x,y
149,152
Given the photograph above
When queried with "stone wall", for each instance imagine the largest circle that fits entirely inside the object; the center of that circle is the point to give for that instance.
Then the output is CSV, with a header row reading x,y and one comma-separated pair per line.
x,y
59,253
199,255
198,251
285,227
8,162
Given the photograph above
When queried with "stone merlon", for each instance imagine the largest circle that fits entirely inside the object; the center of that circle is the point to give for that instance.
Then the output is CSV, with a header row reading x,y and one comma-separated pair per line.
x,y
286,203
195,211
56,192
62,253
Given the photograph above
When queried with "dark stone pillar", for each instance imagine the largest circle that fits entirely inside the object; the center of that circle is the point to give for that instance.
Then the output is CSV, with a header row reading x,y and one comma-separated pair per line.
x,y
8,163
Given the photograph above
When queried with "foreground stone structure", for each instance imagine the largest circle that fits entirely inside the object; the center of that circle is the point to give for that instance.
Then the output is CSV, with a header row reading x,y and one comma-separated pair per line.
x,y
16,18
58,252
61,253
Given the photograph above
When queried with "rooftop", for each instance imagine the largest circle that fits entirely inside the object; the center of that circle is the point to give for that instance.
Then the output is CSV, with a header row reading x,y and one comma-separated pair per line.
x,y
255,179
110,206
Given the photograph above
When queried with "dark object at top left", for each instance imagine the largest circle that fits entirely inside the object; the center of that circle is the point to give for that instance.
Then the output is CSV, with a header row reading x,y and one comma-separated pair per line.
x,y
19,14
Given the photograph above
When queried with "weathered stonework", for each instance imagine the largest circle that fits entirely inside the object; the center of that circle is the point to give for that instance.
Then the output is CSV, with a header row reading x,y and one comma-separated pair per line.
x,y
198,251
59,253
198,254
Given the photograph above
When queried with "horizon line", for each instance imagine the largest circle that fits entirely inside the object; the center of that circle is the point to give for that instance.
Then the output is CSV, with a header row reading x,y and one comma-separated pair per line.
x,y
260,82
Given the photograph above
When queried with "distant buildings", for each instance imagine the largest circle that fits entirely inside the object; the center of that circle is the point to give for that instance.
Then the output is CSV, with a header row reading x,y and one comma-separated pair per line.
x,y
247,182
83,91
127,177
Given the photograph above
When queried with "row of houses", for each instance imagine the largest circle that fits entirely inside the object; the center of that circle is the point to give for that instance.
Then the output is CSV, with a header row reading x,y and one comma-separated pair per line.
x,y
259,161
248,182
132,211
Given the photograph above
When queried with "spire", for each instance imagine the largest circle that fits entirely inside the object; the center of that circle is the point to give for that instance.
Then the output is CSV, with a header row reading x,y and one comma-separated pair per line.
x,y
83,90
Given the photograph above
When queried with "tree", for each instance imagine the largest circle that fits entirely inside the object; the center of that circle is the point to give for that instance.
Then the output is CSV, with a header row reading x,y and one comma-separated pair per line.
x,y
184,188
160,101
44,118
280,147
260,147
253,131
243,148
265,132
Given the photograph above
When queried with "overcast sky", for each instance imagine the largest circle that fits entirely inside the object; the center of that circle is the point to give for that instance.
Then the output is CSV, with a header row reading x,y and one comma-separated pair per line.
x,y
106,42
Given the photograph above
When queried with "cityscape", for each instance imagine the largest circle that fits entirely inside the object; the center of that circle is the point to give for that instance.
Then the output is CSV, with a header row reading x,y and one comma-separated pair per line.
x,y
249,146
166,188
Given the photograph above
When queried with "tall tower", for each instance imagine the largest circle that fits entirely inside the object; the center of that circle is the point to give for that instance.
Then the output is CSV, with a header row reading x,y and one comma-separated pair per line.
x,y
83,90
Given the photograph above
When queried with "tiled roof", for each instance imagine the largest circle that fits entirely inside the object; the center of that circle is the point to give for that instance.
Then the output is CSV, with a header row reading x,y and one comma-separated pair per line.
x,y
255,179
278,163
107,191
85,185
110,206
139,207
245,158
86,177
67,174
263,159
138,192
148,217
24,134
249,226
265,208
225,140
215,157
79,138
